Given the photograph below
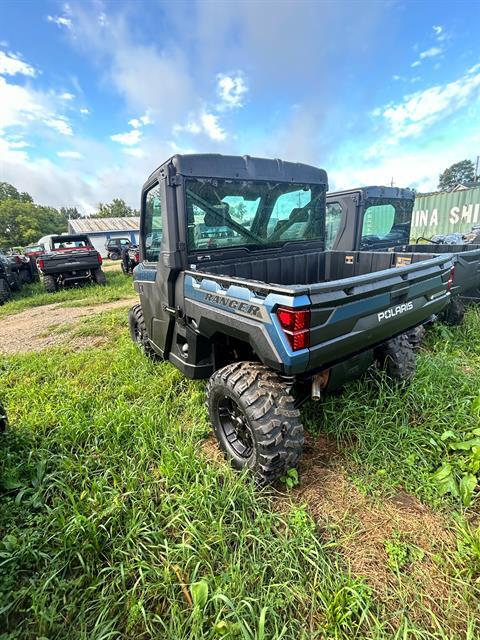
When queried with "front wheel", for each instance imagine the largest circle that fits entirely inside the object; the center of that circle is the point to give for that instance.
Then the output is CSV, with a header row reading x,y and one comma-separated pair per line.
x,y
254,420
397,358
16,282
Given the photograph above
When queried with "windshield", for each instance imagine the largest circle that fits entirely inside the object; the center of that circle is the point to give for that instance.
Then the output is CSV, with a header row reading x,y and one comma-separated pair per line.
x,y
386,223
232,213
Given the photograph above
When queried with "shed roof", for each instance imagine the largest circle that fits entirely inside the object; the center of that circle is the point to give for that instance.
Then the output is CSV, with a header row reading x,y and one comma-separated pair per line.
x,y
103,225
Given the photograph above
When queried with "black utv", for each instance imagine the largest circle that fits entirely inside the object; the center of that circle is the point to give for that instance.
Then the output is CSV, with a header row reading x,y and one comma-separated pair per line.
x,y
236,286
379,219
9,278
69,259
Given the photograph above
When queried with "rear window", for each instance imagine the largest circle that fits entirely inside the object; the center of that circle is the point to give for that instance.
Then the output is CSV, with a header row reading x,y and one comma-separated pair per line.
x,y
386,224
70,244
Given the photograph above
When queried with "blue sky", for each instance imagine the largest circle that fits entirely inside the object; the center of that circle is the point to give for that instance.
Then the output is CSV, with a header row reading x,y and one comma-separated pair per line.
x,y
94,95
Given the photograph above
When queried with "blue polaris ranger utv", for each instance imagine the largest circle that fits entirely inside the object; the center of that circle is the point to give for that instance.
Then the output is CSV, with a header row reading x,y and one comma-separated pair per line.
x,y
260,308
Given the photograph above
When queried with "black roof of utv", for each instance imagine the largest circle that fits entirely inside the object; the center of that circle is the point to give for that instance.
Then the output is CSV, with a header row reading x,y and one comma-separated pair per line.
x,y
215,165
377,192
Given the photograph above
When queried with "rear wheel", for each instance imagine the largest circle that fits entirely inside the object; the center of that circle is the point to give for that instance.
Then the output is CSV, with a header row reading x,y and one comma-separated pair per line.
x,y
454,313
50,284
99,276
5,291
397,358
138,332
254,419
114,255
416,336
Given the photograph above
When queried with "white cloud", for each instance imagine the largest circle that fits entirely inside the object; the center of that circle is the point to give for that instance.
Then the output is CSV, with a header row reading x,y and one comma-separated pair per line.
x,y
60,124
10,65
84,111
417,63
61,21
231,90
396,77
130,138
66,96
437,29
211,127
424,108
431,53
136,152
135,123
192,126
146,119
74,155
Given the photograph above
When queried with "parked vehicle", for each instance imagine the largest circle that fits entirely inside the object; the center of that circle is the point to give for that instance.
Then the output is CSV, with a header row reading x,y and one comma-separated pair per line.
x,y
271,320
22,265
130,258
379,219
9,278
69,259
114,247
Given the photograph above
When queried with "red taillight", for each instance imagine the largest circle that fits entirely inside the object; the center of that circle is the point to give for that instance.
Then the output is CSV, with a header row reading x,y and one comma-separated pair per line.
x,y
99,258
137,256
41,264
296,325
450,278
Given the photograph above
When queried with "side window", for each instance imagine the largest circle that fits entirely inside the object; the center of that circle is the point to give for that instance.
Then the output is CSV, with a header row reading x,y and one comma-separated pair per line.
x,y
152,224
333,218
378,222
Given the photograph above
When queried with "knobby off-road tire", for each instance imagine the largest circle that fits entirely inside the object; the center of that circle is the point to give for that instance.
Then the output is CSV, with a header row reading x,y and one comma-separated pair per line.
x,y
397,358
17,282
416,337
138,332
50,284
454,313
5,291
254,420
99,277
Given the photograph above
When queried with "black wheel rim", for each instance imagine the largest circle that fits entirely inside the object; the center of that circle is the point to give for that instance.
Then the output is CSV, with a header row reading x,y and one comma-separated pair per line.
x,y
235,427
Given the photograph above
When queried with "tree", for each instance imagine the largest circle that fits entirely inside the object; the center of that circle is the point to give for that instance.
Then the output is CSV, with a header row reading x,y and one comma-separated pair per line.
x,y
9,192
23,223
457,173
70,213
115,209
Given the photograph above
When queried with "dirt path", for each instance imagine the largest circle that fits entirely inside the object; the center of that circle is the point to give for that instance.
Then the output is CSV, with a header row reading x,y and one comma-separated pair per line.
x,y
34,329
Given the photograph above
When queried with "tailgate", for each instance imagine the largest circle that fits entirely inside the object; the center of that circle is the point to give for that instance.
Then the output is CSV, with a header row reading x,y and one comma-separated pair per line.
x,y
354,314
467,263
70,260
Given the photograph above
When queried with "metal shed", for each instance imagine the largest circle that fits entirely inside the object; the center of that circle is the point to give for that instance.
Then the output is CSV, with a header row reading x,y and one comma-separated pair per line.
x,y
100,230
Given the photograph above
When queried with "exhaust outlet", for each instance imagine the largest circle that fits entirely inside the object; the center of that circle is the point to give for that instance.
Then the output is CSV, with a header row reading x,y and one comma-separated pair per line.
x,y
319,382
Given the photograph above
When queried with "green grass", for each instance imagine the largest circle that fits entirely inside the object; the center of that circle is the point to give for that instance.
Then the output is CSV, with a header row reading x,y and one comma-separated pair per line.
x,y
110,511
33,295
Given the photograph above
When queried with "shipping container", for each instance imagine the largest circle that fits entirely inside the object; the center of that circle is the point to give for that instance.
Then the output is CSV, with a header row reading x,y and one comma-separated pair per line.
x,y
444,213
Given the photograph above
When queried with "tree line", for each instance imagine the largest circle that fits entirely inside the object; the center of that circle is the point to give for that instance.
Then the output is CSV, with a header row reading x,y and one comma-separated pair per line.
x,y
23,222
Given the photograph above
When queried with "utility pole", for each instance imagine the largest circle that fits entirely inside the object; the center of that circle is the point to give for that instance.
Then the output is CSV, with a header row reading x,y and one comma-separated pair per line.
x,y
391,182
476,169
